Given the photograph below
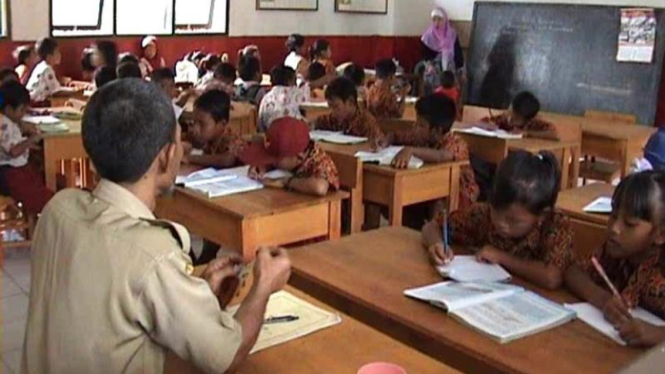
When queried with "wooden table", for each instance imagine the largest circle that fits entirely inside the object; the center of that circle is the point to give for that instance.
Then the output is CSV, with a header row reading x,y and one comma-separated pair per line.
x,y
243,222
341,349
397,189
590,228
314,111
365,275
59,147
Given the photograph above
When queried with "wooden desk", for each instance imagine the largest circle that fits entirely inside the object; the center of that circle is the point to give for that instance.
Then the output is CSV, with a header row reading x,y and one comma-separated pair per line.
x,y
341,349
590,229
365,276
243,222
396,189
60,147
312,112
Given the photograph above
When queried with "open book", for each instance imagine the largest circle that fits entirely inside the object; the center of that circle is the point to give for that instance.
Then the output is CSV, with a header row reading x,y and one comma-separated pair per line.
x,y
501,134
468,269
216,183
335,137
503,312
602,205
386,156
593,317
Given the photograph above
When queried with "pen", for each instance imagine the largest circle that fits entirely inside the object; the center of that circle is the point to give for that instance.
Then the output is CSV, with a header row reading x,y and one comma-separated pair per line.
x,y
602,273
281,319
446,243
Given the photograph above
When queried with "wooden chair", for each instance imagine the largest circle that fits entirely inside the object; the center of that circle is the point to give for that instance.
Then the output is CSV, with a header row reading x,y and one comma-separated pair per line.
x,y
351,179
13,218
244,119
395,124
570,132
602,170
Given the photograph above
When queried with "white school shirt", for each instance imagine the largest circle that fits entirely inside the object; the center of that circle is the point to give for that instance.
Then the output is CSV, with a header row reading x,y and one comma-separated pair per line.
x,y
10,135
177,110
43,82
293,60
282,102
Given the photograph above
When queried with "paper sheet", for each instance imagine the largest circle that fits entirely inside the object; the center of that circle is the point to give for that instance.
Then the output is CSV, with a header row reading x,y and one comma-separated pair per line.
x,y
54,129
602,205
468,269
228,187
593,317
205,176
277,174
315,104
453,296
386,156
515,316
311,319
335,137
501,134
41,120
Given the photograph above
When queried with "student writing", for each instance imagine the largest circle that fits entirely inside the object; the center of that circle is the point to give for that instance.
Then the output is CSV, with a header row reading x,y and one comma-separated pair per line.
x,y
385,99
523,117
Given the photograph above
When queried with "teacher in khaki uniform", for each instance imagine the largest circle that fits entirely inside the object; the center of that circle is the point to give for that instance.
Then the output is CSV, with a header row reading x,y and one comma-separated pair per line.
x,y
112,287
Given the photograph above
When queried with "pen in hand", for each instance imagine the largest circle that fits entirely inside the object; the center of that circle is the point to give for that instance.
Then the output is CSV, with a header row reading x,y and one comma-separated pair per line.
x,y
281,319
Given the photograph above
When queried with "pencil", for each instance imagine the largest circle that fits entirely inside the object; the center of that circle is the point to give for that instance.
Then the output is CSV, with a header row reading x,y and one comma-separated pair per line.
x,y
602,273
446,243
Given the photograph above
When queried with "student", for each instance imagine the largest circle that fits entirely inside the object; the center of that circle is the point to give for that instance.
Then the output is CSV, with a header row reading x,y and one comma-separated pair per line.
x,y
284,99
249,89
210,63
105,75
127,57
43,82
26,58
186,70
519,228
8,75
224,79
356,74
165,79
25,183
636,236
150,60
87,67
321,52
128,70
105,54
654,154
296,59
449,86
113,288
346,116
316,72
291,149
221,145
432,141
382,101
523,117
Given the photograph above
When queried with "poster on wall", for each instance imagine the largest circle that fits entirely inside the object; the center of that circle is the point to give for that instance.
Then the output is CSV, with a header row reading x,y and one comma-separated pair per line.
x,y
362,6
637,37
306,5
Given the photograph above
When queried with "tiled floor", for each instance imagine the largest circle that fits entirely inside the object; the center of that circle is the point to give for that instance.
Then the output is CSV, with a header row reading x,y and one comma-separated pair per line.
x,y
14,288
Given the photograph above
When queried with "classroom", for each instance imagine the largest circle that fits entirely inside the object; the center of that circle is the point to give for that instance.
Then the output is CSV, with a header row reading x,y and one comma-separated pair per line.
x,y
332,186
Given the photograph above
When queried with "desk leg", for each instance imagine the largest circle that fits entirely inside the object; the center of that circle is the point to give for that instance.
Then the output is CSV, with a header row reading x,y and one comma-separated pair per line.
x,y
357,210
50,165
396,208
248,237
565,168
575,169
334,220
625,156
453,199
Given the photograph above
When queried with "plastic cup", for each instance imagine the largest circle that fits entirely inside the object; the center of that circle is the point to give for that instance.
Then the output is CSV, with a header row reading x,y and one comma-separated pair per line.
x,y
381,368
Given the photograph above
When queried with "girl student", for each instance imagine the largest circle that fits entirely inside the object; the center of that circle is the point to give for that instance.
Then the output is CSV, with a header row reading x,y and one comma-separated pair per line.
x,y
518,228
630,259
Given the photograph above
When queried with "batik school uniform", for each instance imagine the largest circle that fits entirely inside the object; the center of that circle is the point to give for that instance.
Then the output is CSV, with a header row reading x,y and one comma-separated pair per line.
x,y
535,124
362,124
318,164
328,64
23,180
550,241
227,142
250,92
382,102
469,190
43,83
641,285
282,101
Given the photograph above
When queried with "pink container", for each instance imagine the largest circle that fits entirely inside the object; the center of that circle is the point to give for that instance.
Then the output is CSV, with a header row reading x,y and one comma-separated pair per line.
x,y
381,368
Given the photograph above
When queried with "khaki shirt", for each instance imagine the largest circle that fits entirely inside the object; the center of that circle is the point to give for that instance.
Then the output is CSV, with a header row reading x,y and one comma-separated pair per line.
x,y
112,291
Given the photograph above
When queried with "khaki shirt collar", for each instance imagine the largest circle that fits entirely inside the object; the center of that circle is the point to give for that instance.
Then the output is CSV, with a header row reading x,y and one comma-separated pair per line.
x,y
121,198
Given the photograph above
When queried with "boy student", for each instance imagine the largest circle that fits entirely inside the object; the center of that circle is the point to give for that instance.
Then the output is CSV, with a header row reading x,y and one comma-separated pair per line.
x,y
224,79
523,117
316,72
449,86
290,148
284,98
356,74
126,317
346,116
43,82
432,141
128,69
249,89
105,75
8,75
221,145
23,180
165,79
382,101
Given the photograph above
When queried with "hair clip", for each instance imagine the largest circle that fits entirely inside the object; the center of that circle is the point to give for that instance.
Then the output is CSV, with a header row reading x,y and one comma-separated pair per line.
x,y
540,157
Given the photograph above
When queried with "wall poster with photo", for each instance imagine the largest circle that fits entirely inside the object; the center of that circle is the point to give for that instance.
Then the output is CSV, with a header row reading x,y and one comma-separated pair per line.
x,y
362,6
305,5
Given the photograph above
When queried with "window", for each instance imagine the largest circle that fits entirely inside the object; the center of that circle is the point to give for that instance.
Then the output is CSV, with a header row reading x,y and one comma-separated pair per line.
x,y
92,17
201,16
144,17
4,29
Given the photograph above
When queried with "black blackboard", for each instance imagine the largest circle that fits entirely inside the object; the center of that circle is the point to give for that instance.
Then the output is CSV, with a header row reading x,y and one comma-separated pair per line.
x,y
565,54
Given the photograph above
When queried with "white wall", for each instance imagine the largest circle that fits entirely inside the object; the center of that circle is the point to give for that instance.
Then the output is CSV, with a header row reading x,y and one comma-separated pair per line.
x,y
30,18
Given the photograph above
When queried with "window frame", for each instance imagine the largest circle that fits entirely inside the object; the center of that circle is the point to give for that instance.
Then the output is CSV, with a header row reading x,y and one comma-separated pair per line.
x,y
7,15
83,28
174,28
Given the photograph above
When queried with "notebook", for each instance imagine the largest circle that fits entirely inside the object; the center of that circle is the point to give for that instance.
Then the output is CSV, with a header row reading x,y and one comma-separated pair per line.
x,y
501,134
593,317
501,311
54,128
205,176
386,156
217,183
468,269
602,205
42,120
277,174
335,137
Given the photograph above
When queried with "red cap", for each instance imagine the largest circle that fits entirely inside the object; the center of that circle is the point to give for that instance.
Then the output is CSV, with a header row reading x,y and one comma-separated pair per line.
x,y
286,137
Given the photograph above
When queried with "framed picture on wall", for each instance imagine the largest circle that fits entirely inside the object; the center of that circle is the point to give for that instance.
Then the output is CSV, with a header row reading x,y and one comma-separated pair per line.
x,y
362,6
304,5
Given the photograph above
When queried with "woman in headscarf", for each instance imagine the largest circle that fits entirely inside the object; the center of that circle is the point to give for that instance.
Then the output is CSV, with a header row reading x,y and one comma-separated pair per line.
x,y
441,38
151,60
